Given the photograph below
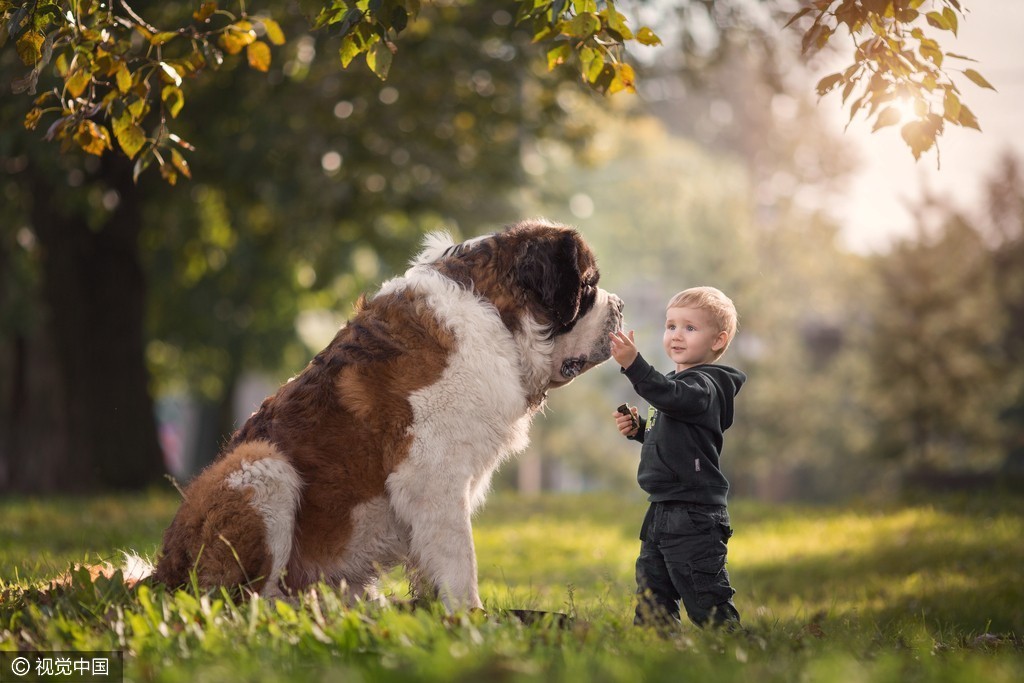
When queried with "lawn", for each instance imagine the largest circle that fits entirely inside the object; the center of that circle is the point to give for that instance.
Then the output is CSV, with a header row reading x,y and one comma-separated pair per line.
x,y
927,591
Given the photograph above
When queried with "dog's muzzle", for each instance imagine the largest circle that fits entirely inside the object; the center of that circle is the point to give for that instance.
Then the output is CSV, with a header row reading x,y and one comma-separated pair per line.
x,y
572,367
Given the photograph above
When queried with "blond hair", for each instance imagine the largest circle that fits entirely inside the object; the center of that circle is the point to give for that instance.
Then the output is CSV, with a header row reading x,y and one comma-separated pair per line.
x,y
714,302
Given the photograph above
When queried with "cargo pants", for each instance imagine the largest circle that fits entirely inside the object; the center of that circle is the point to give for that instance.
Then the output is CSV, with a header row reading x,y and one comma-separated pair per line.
x,y
682,558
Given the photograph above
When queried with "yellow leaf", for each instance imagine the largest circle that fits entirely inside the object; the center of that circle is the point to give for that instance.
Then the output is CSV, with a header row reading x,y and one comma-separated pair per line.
x,y
92,137
258,54
558,55
274,33
378,58
236,37
205,11
138,108
349,50
29,47
132,140
978,79
647,37
163,37
78,81
889,116
32,118
173,98
625,79
170,73
179,163
124,78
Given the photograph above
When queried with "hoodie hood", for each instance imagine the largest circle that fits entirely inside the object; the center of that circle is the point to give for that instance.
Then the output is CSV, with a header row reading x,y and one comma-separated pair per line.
x,y
729,381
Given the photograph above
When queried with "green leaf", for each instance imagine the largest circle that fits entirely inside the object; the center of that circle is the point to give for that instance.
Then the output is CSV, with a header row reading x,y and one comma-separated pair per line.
x,y
978,79
378,58
173,98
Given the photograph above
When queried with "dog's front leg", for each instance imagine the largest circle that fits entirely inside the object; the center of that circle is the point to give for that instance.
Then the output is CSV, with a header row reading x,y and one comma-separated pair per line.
x,y
441,534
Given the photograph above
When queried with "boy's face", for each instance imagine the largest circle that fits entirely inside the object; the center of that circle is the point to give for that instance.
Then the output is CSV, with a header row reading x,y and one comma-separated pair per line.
x,y
691,337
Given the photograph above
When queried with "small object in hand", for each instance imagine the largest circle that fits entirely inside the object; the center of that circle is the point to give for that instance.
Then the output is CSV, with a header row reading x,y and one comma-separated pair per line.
x,y
624,409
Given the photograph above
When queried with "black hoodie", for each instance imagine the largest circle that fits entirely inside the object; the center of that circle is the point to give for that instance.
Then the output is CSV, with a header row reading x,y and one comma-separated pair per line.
x,y
682,434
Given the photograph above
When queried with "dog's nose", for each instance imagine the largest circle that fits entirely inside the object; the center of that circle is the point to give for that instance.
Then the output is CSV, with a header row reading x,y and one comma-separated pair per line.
x,y
618,303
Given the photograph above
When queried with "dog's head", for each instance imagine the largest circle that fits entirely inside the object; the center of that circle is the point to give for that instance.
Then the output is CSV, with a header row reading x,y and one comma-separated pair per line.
x,y
542,278
557,270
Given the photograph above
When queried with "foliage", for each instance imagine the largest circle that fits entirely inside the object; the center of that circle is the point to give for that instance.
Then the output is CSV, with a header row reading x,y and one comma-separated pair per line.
x,y
937,351
925,591
122,78
898,70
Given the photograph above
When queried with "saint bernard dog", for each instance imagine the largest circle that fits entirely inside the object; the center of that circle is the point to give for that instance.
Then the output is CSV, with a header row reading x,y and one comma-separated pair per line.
x,y
380,450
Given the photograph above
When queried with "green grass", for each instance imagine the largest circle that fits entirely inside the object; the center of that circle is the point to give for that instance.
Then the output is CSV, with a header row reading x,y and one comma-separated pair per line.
x,y
929,591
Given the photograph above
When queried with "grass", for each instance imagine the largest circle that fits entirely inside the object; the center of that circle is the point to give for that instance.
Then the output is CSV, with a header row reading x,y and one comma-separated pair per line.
x,y
926,591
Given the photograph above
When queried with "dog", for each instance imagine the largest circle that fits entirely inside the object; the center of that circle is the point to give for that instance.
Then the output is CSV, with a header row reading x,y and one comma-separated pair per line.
x,y
380,450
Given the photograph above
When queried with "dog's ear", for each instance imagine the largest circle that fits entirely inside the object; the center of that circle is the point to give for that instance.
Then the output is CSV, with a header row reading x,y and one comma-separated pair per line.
x,y
550,269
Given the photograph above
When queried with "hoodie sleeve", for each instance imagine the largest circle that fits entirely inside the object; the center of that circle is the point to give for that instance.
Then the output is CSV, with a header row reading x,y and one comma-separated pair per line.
x,y
681,397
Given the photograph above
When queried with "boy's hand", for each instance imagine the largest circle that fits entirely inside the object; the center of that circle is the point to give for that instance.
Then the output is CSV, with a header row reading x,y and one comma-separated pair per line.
x,y
628,424
623,348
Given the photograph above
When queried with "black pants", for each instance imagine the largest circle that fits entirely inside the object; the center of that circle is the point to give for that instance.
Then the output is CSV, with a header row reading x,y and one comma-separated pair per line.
x,y
682,558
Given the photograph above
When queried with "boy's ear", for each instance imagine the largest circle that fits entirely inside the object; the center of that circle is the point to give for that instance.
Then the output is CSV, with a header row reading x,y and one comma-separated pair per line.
x,y
721,341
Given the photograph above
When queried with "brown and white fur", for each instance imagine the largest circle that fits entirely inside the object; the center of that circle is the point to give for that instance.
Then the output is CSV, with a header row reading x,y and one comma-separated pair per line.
x,y
379,452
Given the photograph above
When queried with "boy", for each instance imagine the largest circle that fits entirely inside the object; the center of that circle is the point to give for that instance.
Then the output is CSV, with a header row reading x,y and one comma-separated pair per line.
x,y
686,530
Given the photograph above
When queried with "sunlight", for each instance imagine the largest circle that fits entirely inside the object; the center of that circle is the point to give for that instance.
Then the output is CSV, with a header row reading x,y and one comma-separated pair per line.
x,y
907,109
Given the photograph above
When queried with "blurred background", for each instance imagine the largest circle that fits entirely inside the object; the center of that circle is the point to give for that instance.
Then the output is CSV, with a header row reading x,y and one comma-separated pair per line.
x,y
881,300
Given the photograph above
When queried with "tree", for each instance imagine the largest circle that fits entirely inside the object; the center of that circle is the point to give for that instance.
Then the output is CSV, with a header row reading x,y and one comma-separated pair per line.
x,y
123,88
301,203
1004,231
936,349
112,85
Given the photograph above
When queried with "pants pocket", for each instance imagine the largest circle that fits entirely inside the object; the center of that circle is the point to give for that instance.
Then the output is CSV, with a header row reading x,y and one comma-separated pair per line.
x,y
711,581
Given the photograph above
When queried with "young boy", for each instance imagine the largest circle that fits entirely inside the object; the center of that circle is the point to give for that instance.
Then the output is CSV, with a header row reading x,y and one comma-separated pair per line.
x,y
686,530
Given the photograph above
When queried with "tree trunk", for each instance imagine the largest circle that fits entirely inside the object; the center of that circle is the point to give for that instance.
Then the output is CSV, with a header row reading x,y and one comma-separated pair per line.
x,y
93,290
